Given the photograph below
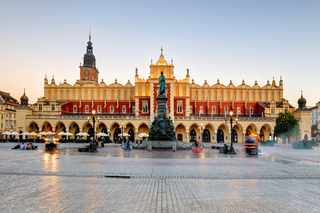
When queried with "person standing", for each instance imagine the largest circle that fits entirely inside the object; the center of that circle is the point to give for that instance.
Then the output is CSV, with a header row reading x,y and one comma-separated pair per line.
x,y
128,144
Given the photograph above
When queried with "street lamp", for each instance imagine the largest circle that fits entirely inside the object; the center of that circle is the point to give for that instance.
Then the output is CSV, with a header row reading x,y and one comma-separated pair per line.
x,y
94,127
201,132
122,127
231,151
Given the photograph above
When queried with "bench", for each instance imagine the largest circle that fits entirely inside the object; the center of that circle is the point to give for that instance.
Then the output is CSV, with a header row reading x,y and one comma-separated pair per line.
x,y
300,145
267,143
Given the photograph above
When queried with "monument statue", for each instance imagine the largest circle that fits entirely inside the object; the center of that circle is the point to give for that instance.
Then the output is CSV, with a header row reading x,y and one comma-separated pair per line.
x,y
162,128
162,82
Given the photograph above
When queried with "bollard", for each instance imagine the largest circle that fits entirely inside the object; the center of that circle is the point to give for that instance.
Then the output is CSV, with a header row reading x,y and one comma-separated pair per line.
x,y
174,147
130,146
149,146
201,145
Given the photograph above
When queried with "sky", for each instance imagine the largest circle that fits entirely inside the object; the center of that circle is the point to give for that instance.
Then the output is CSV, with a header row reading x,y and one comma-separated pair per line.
x,y
229,40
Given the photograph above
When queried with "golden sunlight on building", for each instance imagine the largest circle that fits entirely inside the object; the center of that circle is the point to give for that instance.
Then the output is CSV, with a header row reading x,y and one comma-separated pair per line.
x,y
196,110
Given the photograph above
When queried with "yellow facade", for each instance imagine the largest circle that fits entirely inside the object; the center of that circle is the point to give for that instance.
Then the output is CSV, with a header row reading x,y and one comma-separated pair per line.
x,y
199,112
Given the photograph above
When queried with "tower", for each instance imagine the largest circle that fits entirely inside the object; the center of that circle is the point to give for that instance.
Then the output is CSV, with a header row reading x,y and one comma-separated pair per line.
x,y
21,111
88,71
303,114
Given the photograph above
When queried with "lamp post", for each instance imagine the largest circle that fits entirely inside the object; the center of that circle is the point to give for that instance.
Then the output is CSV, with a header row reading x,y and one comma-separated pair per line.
x,y
94,127
122,131
231,151
201,132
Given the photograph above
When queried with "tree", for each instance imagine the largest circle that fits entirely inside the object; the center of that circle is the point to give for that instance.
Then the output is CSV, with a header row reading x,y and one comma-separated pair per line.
x,y
287,125
314,130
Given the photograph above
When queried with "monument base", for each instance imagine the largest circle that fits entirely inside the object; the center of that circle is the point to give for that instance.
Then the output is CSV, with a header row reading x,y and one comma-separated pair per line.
x,y
168,145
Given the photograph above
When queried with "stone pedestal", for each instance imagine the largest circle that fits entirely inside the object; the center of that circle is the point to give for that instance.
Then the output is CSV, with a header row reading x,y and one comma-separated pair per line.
x,y
162,105
162,128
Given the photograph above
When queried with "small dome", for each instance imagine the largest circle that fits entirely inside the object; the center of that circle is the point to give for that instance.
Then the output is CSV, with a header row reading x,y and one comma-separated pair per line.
x,y
24,98
302,101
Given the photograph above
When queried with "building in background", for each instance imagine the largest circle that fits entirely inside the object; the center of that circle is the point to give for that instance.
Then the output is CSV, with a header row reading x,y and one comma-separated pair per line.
x,y
315,114
199,112
303,114
2,115
8,106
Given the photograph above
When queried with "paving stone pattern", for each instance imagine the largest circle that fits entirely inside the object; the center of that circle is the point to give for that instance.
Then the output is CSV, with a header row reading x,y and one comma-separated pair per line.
x,y
280,179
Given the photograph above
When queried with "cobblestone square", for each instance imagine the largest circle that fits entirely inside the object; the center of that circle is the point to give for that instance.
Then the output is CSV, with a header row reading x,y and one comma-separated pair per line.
x,y
280,179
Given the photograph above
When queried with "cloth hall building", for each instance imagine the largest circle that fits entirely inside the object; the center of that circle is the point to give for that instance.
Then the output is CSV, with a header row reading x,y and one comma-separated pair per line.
x,y
199,112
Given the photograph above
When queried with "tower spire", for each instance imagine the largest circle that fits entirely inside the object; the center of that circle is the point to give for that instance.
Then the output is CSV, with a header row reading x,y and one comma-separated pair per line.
x,y
89,59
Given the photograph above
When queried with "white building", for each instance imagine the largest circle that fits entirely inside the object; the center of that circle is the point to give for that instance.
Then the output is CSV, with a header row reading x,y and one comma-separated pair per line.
x,y
315,114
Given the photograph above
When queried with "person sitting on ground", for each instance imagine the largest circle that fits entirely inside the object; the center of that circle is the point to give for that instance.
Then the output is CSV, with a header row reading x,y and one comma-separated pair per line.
x,y
22,146
29,146
32,146
17,146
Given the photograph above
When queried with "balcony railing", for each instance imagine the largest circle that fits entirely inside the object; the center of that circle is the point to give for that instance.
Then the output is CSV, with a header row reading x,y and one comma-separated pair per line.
x,y
84,117
223,117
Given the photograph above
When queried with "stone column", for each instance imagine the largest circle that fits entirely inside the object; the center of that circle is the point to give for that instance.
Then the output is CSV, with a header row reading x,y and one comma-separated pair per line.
x,y
187,132
136,133
244,136
152,107
215,136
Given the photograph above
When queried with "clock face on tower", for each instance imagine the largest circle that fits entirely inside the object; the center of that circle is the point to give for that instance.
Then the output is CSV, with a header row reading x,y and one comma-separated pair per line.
x,y
86,72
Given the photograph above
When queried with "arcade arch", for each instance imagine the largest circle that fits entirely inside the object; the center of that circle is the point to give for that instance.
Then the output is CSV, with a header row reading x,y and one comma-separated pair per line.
x,y
46,126
60,127
265,133
208,133
181,133
222,134
74,129
194,132
251,129
237,133
101,128
33,127
129,128
115,131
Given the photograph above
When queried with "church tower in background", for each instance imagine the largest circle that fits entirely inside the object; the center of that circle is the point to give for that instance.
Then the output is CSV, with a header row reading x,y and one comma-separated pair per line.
x,y
88,71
